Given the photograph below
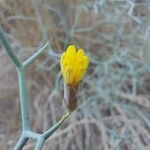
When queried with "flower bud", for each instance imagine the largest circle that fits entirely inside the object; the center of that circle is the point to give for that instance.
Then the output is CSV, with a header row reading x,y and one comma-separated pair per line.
x,y
70,97
74,64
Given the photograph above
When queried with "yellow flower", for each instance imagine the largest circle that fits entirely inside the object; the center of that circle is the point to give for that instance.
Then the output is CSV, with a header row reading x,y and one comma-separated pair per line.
x,y
74,64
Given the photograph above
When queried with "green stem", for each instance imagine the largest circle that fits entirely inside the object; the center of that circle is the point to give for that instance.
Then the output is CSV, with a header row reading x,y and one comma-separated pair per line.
x,y
32,135
21,142
30,60
23,100
9,49
40,143
21,70
50,131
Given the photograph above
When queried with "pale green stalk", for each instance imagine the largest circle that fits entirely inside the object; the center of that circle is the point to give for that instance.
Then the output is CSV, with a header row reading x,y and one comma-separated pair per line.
x,y
21,70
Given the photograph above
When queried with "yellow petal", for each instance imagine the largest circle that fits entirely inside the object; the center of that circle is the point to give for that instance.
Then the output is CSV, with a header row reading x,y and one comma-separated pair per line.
x,y
80,52
73,65
71,49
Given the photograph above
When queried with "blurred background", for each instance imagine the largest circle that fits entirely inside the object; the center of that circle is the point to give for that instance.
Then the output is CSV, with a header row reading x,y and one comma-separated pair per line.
x,y
114,100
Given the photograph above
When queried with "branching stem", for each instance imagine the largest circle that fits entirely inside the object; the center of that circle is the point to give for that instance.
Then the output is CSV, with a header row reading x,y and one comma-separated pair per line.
x,y
8,49
21,70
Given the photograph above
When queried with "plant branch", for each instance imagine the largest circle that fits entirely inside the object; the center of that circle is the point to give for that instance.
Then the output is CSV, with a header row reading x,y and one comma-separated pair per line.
x,y
23,100
50,131
40,143
8,49
30,60
21,142
21,70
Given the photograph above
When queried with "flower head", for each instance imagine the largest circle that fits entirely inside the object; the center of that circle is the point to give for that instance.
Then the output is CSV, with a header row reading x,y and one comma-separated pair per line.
x,y
74,64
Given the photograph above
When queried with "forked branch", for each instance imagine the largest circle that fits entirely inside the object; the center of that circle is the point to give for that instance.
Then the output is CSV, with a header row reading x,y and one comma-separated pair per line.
x,y
27,133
